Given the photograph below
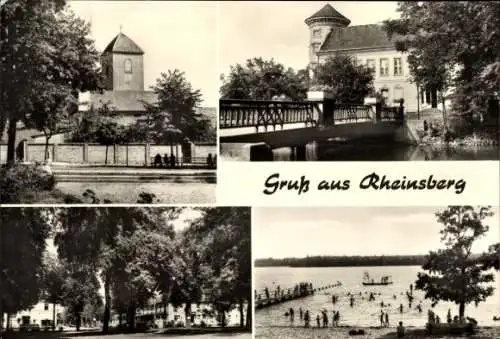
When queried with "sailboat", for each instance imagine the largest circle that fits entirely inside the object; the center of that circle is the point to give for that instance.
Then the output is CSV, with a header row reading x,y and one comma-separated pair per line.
x,y
384,280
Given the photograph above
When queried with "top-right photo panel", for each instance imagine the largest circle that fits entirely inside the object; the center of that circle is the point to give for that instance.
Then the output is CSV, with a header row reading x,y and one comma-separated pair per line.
x,y
359,81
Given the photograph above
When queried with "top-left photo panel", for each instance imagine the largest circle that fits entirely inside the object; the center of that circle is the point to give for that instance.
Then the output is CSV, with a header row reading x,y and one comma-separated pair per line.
x,y
108,102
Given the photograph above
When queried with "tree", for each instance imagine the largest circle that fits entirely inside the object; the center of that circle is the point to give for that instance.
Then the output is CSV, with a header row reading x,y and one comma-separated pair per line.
x,y
108,133
224,235
261,79
349,83
53,280
23,233
41,46
456,45
455,273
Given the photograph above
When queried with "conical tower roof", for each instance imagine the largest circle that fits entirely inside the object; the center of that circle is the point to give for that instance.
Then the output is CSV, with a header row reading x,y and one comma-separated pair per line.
x,y
330,14
123,44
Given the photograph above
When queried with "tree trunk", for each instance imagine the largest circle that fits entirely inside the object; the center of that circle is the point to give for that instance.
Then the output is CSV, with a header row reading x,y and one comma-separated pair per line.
x,y
107,305
3,123
78,320
131,316
223,319
242,316
11,142
7,319
46,156
53,316
106,159
187,313
461,310
249,314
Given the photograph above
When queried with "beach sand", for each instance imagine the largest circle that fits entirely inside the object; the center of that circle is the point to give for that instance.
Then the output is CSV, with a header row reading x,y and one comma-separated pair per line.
x,y
371,333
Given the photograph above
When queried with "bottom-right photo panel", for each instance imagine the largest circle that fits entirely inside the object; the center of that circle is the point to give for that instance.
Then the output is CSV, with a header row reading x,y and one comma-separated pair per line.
x,y
376,272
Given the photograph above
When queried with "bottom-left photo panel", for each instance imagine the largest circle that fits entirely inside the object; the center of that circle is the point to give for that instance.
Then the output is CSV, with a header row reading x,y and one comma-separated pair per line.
x,y
125,272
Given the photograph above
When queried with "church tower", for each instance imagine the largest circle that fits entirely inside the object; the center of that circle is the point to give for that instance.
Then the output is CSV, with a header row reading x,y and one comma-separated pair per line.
x,y
122,65
320,25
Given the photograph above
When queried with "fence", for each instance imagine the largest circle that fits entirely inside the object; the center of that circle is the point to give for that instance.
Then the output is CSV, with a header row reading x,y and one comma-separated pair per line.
x,y
118,155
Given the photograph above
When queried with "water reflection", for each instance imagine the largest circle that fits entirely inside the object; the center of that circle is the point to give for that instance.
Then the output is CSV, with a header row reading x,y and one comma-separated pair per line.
x,y
334,151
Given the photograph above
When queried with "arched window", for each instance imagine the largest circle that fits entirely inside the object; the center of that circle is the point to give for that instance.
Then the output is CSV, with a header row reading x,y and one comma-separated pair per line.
x,y
128,66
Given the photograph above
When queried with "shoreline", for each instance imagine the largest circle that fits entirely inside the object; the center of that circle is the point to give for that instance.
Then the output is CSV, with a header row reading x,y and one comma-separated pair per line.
x,y
371,332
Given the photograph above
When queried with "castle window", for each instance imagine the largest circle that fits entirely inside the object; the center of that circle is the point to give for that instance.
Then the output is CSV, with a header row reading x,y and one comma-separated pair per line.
x,y
384,67
317,34
46,307
128,66
370,64
398,67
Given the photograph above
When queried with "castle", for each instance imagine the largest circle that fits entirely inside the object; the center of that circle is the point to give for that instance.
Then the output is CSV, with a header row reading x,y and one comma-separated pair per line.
x,y
369,45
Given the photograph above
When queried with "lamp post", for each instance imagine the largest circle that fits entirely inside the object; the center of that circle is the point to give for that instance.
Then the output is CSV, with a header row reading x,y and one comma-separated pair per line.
x,y
419,70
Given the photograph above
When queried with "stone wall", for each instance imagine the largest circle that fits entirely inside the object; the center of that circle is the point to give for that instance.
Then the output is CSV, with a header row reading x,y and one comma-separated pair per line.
x,y
94,154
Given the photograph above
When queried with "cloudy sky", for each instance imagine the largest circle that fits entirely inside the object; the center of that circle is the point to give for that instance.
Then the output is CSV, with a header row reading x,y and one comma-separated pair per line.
x,y
276,29
298,232
173,34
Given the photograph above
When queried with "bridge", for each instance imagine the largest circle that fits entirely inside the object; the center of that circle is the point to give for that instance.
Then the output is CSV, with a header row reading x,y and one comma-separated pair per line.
x,y
293,123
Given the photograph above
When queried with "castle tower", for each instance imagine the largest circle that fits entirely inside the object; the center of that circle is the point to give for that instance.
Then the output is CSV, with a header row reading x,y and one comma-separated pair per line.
x,y
320,25
122,65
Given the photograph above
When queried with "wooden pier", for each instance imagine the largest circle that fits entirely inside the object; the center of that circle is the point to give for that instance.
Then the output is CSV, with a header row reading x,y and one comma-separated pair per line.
x,y
280,296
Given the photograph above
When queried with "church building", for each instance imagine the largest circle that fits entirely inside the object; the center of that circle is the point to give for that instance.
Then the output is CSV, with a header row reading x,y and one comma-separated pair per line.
x,y
122,63
369,45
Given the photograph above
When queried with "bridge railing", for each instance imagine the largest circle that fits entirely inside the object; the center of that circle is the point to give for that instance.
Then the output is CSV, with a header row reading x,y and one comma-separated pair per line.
x,y
352,112
256,113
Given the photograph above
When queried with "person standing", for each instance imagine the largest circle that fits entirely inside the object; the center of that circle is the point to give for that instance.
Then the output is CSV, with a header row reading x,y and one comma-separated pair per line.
x,y
318,321
386,319
307,319
382,318
301,314
292,314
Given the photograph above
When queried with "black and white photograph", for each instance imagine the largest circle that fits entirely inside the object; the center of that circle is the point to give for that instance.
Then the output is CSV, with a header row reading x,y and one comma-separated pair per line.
x,y
109,101
377,272
359,81
125,272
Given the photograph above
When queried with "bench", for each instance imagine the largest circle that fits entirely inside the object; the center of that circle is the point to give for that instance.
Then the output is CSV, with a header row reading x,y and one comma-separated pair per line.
x,y
195,162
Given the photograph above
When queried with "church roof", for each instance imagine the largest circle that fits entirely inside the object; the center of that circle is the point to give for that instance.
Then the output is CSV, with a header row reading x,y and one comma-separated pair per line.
x,y
356,37
123,44
120,101
329,12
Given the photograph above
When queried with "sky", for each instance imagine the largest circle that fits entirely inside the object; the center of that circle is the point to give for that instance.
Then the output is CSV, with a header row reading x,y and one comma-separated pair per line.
x,y
276,29
173,34
352,231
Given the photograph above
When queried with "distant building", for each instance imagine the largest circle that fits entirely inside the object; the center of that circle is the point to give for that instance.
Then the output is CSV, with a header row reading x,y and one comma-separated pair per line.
x,y
122,65
330,34
40,314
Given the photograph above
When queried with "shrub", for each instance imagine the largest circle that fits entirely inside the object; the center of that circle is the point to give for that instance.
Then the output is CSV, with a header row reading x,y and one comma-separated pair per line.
x,y
21,183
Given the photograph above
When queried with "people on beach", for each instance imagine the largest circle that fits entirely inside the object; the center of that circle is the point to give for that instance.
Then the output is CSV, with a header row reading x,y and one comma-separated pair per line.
x,y
352,301
318,320
292,314
306,319
386,319
301,314
401,308
400,330
382,323
325,318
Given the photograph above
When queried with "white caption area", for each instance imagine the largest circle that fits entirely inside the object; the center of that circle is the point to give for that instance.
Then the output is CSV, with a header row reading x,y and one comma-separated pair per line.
x,y
385,183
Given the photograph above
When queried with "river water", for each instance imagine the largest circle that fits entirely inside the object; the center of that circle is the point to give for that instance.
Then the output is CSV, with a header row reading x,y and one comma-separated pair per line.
x,y
364,313
373,151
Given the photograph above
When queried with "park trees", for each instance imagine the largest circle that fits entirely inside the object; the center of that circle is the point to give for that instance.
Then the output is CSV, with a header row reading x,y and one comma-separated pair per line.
x,y
22,235
261,79
350,83
45,55
454,273
452,44
224,236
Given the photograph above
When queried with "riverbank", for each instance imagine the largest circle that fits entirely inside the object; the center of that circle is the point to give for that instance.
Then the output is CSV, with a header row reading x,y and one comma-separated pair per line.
x,y
370,333
465,142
